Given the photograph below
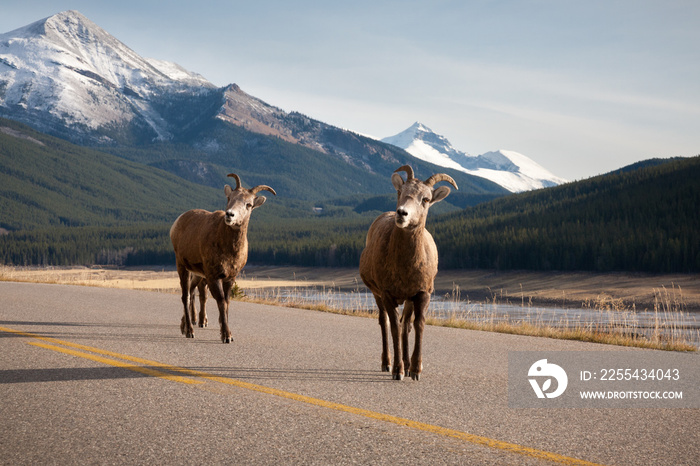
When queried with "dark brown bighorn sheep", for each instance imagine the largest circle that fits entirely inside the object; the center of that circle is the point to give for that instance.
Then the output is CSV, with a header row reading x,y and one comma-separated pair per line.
x,y
399,264
214,246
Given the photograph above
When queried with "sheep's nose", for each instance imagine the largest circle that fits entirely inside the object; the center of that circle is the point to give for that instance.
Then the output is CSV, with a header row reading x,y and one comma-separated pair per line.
x,y
401,212
230,214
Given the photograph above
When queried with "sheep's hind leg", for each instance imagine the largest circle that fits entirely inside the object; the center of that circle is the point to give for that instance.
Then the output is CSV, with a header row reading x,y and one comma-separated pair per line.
x,y
420,307
194,283
185,323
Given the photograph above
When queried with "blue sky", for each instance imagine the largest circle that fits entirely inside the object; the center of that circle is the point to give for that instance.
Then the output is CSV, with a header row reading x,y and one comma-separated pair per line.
x,y
580,87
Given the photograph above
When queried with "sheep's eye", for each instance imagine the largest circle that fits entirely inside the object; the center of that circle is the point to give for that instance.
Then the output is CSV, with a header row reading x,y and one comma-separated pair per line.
x,y
426,200
249,206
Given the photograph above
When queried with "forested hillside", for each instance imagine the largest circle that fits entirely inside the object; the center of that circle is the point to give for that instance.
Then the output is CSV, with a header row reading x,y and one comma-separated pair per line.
x,y
644,219
636,219
47,182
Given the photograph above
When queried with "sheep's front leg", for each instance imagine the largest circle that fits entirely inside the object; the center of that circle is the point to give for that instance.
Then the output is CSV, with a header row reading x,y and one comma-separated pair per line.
x,y
393,312
406,324
383,322
220,291
420,307
185,323
202,288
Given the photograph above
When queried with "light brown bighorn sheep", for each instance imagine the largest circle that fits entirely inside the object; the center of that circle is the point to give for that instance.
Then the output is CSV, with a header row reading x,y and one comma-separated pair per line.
x,y
214,246
399,264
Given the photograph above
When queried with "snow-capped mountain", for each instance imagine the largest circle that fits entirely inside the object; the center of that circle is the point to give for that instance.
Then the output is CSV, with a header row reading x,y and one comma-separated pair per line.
x,y
68,68
512,170
67,77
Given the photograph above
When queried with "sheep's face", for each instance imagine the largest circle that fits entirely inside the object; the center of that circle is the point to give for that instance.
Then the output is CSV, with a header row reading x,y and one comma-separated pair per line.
x,y
240,203
415,198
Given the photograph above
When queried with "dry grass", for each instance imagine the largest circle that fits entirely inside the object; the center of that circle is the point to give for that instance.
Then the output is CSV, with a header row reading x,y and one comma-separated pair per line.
x,y
155,279
612,320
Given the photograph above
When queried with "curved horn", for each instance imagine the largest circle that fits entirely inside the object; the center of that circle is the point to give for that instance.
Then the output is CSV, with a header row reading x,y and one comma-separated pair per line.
x,y
440,177
407,169
237,178
262,187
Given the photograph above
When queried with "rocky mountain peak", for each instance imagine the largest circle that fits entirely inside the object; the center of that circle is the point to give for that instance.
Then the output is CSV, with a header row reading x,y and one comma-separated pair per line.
x,y
67,72
509,169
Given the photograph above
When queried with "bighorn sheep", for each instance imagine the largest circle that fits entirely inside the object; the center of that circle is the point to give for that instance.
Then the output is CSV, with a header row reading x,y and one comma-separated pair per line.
x,y
213,246
399,264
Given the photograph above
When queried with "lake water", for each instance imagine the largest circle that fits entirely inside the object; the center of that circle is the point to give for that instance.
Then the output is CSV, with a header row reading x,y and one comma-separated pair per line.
x,y
676,324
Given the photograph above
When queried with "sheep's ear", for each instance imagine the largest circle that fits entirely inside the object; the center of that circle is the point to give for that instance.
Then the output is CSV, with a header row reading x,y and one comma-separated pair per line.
x,y
439,194
227,189
260,200
397,181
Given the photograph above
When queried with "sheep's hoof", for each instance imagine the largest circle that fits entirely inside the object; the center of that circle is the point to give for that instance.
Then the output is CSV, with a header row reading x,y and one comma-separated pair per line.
x,y
202,325
385,367
190,334
398,376
415,376
227,340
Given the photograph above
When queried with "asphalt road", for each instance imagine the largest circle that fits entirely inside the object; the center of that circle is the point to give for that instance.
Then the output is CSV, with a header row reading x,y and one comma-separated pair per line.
x,y
103,376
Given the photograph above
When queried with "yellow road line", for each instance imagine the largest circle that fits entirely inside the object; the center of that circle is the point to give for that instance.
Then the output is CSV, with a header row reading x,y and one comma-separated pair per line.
x,y
91,349
113,362
471,438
